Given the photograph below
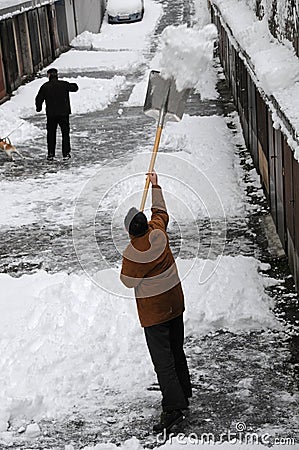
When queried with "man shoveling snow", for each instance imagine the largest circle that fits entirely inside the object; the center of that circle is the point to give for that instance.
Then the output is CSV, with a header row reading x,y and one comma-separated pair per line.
x,y
149,267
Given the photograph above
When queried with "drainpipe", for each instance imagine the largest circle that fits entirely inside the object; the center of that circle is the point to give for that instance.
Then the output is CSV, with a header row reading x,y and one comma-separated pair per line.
x,y
75,17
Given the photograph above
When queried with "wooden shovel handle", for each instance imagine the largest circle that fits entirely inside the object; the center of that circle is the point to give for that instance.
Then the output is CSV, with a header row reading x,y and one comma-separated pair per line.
x,y
151,166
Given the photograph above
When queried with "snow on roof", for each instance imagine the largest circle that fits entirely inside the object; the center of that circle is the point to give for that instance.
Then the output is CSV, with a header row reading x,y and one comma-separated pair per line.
x,y
274,64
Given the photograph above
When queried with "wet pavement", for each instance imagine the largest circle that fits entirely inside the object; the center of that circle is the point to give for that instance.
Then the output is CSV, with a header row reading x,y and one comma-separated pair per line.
x,y
249,378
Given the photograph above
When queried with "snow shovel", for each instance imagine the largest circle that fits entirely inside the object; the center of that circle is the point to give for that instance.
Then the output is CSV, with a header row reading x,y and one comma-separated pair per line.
x,y
163,102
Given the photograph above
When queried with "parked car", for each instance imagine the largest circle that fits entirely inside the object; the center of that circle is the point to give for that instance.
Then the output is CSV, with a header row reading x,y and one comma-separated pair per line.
x,y
124,11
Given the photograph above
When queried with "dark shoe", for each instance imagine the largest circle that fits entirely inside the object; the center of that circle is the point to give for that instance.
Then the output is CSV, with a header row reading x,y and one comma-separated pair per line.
x,y
68,156
168,420
50,158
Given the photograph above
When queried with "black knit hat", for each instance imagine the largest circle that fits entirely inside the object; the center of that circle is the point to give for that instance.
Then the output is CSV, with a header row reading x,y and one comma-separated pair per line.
x,y
136,222
52,72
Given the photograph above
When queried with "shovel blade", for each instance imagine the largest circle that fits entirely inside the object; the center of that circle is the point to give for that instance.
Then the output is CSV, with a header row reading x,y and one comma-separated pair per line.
x,y
163,93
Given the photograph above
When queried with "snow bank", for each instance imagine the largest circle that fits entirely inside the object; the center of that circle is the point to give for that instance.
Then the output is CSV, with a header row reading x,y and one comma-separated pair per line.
x,y
187,54
64,340
133,36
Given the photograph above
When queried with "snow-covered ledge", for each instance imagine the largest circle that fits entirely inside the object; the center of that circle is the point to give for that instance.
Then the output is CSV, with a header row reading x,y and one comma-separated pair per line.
x,y
273,65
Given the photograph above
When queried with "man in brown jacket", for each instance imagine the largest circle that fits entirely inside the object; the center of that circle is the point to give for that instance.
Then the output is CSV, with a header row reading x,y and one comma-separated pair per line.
x,y
149,267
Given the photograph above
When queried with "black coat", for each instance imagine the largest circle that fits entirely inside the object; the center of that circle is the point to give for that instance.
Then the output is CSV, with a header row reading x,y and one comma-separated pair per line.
x,y
56,95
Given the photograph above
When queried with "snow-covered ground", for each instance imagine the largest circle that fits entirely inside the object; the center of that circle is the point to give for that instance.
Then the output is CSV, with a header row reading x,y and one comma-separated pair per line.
x,y
66,338
70,337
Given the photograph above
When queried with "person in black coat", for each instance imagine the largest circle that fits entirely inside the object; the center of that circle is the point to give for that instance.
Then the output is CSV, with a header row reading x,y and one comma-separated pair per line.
x,y
58,109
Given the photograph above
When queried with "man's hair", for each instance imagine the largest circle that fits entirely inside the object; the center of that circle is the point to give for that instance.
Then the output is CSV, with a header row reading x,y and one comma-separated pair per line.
x,y
136,222
53,73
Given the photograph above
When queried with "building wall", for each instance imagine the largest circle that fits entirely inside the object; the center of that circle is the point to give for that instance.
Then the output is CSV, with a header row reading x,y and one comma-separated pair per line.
x,y
273,158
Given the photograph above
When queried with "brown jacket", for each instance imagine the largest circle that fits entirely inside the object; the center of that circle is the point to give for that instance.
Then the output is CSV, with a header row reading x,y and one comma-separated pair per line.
x,y
149,267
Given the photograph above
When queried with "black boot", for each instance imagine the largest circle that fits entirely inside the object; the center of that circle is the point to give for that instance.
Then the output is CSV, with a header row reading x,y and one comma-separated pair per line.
x,y
168,420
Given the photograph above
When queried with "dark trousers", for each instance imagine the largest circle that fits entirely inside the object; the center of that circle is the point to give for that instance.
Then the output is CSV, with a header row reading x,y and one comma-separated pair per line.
x,y
165,343
64,123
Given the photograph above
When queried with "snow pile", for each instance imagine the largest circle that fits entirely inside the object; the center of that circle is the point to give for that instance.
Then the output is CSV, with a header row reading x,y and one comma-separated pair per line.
x,y
64,340
187,55
227,293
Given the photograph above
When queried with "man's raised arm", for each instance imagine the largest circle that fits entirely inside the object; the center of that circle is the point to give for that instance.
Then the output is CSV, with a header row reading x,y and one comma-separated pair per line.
x,y
159,211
